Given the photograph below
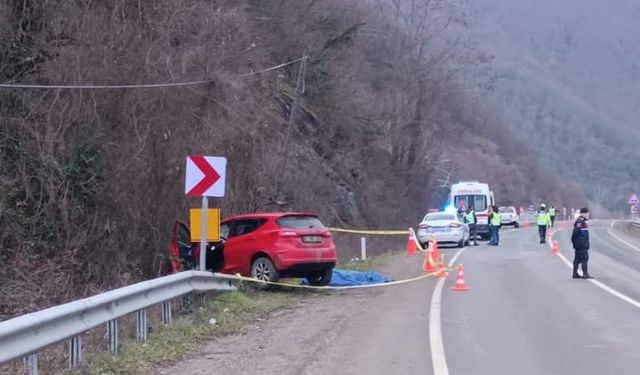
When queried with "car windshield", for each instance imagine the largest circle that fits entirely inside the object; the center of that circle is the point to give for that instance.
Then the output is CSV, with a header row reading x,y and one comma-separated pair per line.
x,y
300,222
437,217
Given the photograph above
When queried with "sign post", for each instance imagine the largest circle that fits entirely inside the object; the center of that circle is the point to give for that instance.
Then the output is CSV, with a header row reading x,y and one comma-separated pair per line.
x,y
203,232
634,202
205,177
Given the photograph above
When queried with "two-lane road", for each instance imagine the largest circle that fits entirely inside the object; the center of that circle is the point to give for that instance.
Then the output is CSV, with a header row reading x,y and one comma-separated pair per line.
x,y
526,315
523,315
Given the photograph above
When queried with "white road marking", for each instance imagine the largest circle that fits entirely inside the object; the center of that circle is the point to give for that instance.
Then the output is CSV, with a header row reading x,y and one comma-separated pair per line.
x,y
632,246
435,325
602,286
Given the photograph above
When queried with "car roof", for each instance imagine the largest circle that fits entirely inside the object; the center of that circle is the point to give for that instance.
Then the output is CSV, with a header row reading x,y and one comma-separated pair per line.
x,y
267,215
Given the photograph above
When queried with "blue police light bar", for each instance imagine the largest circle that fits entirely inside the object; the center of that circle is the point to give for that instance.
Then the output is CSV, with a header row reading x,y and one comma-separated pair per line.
x,y
450,209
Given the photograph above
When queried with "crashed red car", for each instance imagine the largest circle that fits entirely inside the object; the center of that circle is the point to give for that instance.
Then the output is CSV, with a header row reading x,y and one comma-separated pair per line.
x,y
267,246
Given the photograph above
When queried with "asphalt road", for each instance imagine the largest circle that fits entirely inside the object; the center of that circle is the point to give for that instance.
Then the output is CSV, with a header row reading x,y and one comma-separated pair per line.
x,y
524,314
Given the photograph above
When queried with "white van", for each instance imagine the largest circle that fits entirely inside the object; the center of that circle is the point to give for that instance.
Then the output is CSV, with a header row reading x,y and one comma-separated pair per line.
x,y
479,197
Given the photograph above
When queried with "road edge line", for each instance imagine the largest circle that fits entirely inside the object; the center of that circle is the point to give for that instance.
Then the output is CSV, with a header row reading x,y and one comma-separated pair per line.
x,y
602,286
438,357
620,239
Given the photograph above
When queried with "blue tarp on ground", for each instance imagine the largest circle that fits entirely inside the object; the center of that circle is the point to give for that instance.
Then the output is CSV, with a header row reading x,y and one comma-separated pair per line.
x,y
350,278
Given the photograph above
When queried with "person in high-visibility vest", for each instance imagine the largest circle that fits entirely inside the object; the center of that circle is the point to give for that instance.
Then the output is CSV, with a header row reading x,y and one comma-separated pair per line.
x,y
552,215
471,220
544,221
494,226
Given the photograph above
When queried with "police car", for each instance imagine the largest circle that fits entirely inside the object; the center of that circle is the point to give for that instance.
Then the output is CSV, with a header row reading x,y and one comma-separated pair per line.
x,y
445,227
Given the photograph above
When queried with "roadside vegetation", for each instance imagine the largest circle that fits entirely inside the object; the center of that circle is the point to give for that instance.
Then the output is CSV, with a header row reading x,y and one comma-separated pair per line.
x,y
192,327
91,181
232,312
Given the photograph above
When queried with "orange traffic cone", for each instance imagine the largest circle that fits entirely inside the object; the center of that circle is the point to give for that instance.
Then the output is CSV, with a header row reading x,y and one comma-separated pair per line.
x,y
526,224
550,233
443,272
429,265
411,243
555,249
460,284
436,250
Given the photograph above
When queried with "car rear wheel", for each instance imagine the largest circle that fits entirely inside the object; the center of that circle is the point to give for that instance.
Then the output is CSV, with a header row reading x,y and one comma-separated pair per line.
x,y
322,278
263,269
517,225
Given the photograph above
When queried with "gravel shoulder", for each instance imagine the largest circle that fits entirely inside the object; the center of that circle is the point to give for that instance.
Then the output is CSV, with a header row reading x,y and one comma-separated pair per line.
x,y
377,330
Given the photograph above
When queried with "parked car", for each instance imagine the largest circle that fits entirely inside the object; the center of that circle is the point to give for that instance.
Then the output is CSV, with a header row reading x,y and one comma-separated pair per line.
x,y
509,216
267,246
447,227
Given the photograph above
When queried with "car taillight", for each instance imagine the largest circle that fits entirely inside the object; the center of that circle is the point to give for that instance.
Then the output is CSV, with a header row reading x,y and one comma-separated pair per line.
x,y
423,226
288,234
454,225
326,234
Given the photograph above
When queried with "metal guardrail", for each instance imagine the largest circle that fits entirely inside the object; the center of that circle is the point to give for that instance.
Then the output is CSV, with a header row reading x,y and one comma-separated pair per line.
x,y
635,223
25,335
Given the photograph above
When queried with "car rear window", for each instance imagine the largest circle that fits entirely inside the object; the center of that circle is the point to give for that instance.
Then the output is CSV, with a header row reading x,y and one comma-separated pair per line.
x,y
300,222
434,217
246,226
509,210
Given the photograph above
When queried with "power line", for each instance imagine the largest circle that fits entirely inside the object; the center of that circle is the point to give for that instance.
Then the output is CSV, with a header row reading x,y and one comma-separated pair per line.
x,y
140,86
273,67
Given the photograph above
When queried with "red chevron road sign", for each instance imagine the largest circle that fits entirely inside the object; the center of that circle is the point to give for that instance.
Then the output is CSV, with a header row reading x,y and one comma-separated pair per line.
x,y
205,176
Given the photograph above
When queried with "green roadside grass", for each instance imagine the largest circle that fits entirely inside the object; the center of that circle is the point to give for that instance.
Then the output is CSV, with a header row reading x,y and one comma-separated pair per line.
x,y
371,264
232,311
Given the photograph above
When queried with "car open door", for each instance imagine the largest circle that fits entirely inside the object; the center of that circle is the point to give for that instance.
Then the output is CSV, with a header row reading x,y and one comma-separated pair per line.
x,y
181,256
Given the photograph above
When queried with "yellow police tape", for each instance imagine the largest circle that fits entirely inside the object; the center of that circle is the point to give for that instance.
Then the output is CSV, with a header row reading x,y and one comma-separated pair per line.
x,y
333,288
381,232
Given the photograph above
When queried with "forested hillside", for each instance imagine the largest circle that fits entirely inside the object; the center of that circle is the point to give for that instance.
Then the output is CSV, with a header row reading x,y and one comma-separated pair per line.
x,y
91,180
567,81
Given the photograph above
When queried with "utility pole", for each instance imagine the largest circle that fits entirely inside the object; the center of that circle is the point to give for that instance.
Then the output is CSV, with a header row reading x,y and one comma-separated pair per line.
x,y
295,104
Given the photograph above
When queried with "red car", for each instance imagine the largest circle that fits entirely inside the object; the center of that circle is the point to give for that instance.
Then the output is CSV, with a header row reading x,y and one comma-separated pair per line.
x,y
266,246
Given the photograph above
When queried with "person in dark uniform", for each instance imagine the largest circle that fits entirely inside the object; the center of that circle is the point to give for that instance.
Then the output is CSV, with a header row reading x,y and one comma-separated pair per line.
x,y
580,241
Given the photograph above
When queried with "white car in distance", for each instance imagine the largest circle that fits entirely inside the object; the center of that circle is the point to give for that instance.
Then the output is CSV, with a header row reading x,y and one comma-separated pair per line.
x,y
509,216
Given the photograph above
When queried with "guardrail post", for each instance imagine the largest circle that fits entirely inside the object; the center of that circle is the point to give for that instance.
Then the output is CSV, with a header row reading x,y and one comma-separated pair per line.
x,y
141,320
31,364
363,248
112,332
187,301
166,312
75,351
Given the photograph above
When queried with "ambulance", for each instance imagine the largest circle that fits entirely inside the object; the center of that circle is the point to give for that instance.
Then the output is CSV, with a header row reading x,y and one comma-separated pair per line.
x,y
476,195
